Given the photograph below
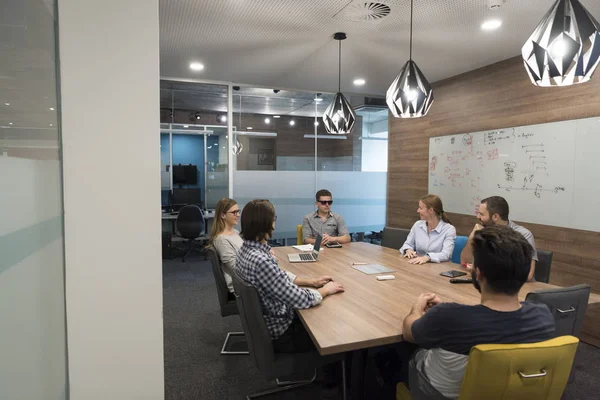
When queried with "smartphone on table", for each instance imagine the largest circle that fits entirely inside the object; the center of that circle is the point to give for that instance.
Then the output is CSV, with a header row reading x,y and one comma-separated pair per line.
x,y
452,273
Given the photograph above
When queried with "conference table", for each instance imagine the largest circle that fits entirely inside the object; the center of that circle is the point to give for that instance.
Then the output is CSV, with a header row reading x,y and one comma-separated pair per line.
x,y
370,312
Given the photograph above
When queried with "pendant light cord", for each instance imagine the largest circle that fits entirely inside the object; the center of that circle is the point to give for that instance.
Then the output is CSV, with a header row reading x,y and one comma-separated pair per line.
x,y
411,28
340,67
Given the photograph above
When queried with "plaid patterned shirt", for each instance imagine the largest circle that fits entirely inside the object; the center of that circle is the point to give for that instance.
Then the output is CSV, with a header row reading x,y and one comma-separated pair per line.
x,y
279,295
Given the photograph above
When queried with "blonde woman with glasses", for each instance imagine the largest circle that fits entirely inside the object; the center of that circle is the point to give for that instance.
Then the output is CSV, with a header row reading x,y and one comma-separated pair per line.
x,y
224,238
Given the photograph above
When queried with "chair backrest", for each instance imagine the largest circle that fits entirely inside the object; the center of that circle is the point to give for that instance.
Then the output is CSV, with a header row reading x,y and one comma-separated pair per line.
x,y
543,265
190,222
519,371
255,328
394,238
459,245
299,238
568,305
222,290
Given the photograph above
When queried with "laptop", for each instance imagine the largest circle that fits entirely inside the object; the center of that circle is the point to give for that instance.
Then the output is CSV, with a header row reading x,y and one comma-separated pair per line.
x,y
307,257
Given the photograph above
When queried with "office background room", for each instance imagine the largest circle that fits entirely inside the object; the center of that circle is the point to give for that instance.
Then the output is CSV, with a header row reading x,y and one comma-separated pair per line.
x,y
279,156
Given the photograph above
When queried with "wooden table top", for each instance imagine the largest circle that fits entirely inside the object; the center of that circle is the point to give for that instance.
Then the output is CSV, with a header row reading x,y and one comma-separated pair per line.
x,y
370,312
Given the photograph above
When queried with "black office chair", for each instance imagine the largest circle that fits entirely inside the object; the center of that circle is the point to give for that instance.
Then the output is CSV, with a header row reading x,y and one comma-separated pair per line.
x,y
190,225
568,305
272,364
543,266
394,238
227,301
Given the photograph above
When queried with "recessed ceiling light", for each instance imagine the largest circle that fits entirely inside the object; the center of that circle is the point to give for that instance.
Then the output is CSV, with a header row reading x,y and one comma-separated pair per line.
x,y
318,99
359,82
196,66
316,123
491,25
276,116
249,128
51,125
186,126
51,108
10,123
267,120
7,104
292,122
223,118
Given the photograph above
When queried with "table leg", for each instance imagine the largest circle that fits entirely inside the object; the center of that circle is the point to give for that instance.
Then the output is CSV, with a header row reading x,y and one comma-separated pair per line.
x,y
358,369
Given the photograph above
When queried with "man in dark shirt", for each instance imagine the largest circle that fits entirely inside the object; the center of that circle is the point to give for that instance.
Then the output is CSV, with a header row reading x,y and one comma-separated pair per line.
x,y
446,332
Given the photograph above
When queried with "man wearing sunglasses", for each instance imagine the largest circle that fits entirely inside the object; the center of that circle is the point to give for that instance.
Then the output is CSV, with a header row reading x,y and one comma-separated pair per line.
x,y
329,225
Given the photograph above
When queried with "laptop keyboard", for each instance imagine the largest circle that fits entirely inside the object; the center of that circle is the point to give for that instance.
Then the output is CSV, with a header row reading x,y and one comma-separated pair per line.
x,y
306,257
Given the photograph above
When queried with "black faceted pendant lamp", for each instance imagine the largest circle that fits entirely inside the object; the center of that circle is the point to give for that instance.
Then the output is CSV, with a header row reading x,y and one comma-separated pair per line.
x,y
410,95
339,117
564,49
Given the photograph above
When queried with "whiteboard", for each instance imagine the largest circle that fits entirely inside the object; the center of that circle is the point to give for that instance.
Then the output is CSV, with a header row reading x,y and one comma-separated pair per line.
x,y
548,173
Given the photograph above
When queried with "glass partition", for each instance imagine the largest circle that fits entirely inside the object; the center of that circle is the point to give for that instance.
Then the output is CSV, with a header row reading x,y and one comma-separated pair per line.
x,y
217,166
33,353
287,155
281,151
355,171
194,140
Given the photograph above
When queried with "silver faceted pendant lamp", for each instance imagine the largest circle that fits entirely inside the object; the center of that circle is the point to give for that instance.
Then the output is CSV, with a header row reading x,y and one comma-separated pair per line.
x,y
339,117
564,49
410,95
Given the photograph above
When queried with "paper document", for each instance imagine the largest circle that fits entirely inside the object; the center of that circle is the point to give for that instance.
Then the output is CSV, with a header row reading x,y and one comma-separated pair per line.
x,y
304,247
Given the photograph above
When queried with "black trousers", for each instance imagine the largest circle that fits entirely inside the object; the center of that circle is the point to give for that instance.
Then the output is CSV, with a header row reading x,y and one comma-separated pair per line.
x,y
294,340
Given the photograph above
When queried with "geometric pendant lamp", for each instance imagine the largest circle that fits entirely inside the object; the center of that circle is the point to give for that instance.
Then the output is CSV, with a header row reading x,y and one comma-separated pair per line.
x,y
564,49
410,95
339,117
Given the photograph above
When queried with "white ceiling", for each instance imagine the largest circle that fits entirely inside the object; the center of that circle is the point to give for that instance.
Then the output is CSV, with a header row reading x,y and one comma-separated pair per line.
x,y
288,43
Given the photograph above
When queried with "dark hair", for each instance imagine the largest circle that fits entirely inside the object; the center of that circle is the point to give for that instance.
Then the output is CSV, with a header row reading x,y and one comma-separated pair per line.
x,y
434,202
322,193
497,205
504,258
257,220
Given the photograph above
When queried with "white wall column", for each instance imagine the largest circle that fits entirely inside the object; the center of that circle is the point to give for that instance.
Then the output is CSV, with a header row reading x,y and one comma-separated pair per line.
x,y
109,66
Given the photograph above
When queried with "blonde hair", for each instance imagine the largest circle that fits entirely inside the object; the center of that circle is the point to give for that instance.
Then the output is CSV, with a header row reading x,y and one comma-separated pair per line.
x,y
219,223
434,202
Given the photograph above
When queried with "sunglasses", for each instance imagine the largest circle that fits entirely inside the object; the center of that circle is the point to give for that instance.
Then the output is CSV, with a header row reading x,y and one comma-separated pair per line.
x,y
325,202
236,212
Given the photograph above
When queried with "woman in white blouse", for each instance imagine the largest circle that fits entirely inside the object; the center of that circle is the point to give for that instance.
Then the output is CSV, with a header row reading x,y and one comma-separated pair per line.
x,y
432,238
224,238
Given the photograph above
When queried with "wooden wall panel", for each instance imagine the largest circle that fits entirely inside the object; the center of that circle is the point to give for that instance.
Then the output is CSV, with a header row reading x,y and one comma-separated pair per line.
x,y
496,96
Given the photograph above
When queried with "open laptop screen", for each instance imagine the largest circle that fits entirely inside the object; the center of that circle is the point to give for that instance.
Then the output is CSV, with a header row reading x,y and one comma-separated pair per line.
x,y
317,245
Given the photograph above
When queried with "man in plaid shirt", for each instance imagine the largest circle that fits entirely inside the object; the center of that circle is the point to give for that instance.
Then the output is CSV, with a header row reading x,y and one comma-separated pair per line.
x,y
279,292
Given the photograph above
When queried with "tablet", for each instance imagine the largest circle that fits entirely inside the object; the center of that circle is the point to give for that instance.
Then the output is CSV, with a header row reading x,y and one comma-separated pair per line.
x,y
452,273
333,245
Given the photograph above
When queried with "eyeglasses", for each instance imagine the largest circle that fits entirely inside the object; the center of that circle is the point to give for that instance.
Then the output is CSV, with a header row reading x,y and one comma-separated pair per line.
x,y
236,212
275,219
325,202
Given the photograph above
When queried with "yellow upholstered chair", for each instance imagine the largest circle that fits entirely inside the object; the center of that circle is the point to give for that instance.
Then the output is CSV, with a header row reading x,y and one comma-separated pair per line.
x,y
516,371
299,239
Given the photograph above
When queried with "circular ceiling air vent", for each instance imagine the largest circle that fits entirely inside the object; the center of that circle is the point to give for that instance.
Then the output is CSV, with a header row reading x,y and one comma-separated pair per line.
x,y
361,11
